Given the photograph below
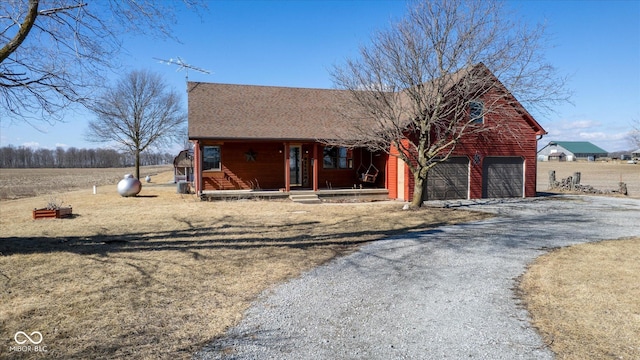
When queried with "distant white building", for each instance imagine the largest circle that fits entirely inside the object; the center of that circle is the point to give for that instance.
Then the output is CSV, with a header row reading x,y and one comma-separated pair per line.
x,y
636,154
570,151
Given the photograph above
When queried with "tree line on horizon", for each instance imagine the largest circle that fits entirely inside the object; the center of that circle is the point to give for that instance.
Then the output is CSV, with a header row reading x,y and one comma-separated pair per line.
x,y
20,157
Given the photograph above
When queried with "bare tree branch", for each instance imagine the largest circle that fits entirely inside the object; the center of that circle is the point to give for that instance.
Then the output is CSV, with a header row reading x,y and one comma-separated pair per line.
x,y
413,87
55,53
634,134
21,34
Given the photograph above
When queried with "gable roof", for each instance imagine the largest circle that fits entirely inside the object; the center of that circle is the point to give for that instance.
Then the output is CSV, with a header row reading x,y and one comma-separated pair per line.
x,y
224,111
579,147
242,112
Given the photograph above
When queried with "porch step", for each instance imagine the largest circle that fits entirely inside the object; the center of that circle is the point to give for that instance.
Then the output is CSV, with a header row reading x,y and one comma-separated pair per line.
x,y
305,198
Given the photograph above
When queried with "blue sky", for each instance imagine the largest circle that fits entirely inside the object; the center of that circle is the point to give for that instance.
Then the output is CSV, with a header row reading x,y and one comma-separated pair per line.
x,y
295,43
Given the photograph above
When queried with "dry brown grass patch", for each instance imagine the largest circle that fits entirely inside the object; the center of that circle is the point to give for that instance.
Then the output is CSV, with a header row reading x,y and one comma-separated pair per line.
x,y
584,299
600,175
162,274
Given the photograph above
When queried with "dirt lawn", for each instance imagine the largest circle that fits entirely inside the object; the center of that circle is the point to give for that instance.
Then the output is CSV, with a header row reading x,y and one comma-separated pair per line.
x,y
162,274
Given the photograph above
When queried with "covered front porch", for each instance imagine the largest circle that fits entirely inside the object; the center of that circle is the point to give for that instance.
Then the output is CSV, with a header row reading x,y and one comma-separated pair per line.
x,y
272,169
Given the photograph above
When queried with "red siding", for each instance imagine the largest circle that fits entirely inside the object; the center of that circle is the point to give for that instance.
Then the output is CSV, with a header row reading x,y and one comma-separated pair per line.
x,y
266,172
511,135
196,166
392,173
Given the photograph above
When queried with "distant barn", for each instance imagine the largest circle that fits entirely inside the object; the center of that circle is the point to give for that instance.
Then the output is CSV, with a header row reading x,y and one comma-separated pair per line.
x,y
572,151
183,166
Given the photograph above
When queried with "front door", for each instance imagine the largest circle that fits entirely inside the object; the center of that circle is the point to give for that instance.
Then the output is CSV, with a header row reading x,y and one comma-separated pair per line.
x,y
295,165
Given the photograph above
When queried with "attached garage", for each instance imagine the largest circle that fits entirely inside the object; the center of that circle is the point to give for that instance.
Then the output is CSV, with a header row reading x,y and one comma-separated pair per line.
x,y
449,180
503,177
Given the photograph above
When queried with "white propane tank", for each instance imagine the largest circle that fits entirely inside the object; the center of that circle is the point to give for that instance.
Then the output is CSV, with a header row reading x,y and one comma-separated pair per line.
x,y
129,186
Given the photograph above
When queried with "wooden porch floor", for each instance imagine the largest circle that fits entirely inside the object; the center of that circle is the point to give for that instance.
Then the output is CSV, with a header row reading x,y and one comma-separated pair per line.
x,y
355,194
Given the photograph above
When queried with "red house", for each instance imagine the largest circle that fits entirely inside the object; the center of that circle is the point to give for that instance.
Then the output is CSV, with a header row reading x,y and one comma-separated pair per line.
x,y
254,138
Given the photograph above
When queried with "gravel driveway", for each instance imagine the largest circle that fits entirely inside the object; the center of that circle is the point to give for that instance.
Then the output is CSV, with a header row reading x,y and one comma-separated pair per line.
x,y
442,294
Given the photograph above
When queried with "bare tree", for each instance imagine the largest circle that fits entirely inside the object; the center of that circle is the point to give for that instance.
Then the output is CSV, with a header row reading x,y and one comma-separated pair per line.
x,y
54,53
414,87
634,134
137,113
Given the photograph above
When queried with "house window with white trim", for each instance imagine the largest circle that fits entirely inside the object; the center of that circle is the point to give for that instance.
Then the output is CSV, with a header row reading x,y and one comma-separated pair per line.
x,y
211,158
476,112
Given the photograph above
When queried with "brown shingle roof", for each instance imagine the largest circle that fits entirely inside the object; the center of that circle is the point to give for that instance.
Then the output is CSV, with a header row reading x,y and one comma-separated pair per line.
x,y
227,112
224,111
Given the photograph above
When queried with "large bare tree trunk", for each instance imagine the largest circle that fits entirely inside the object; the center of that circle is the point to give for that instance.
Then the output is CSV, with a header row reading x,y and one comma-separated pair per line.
x,y
418,190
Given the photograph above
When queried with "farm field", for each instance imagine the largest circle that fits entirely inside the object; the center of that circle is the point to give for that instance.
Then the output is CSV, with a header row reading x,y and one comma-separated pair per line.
x,y
162,274
21,183
600,175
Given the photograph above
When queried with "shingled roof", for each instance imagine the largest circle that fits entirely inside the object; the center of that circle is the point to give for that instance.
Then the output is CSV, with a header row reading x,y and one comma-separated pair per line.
x,y
243,112
237,112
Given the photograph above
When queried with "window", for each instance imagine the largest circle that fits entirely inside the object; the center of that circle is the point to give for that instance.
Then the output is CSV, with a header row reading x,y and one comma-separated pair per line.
x,y
476,109
336,158
211,158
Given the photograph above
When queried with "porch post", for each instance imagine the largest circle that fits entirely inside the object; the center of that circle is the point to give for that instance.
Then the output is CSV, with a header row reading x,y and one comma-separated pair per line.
x,y
287,170
386,172
197,178
315,166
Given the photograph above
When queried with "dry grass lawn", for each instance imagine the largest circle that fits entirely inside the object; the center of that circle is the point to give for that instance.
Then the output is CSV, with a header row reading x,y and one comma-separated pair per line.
x,y
585,299
162,274
600,175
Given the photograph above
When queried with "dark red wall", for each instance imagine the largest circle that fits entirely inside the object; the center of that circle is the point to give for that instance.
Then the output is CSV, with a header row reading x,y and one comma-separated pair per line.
x,y
267,171
509,135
